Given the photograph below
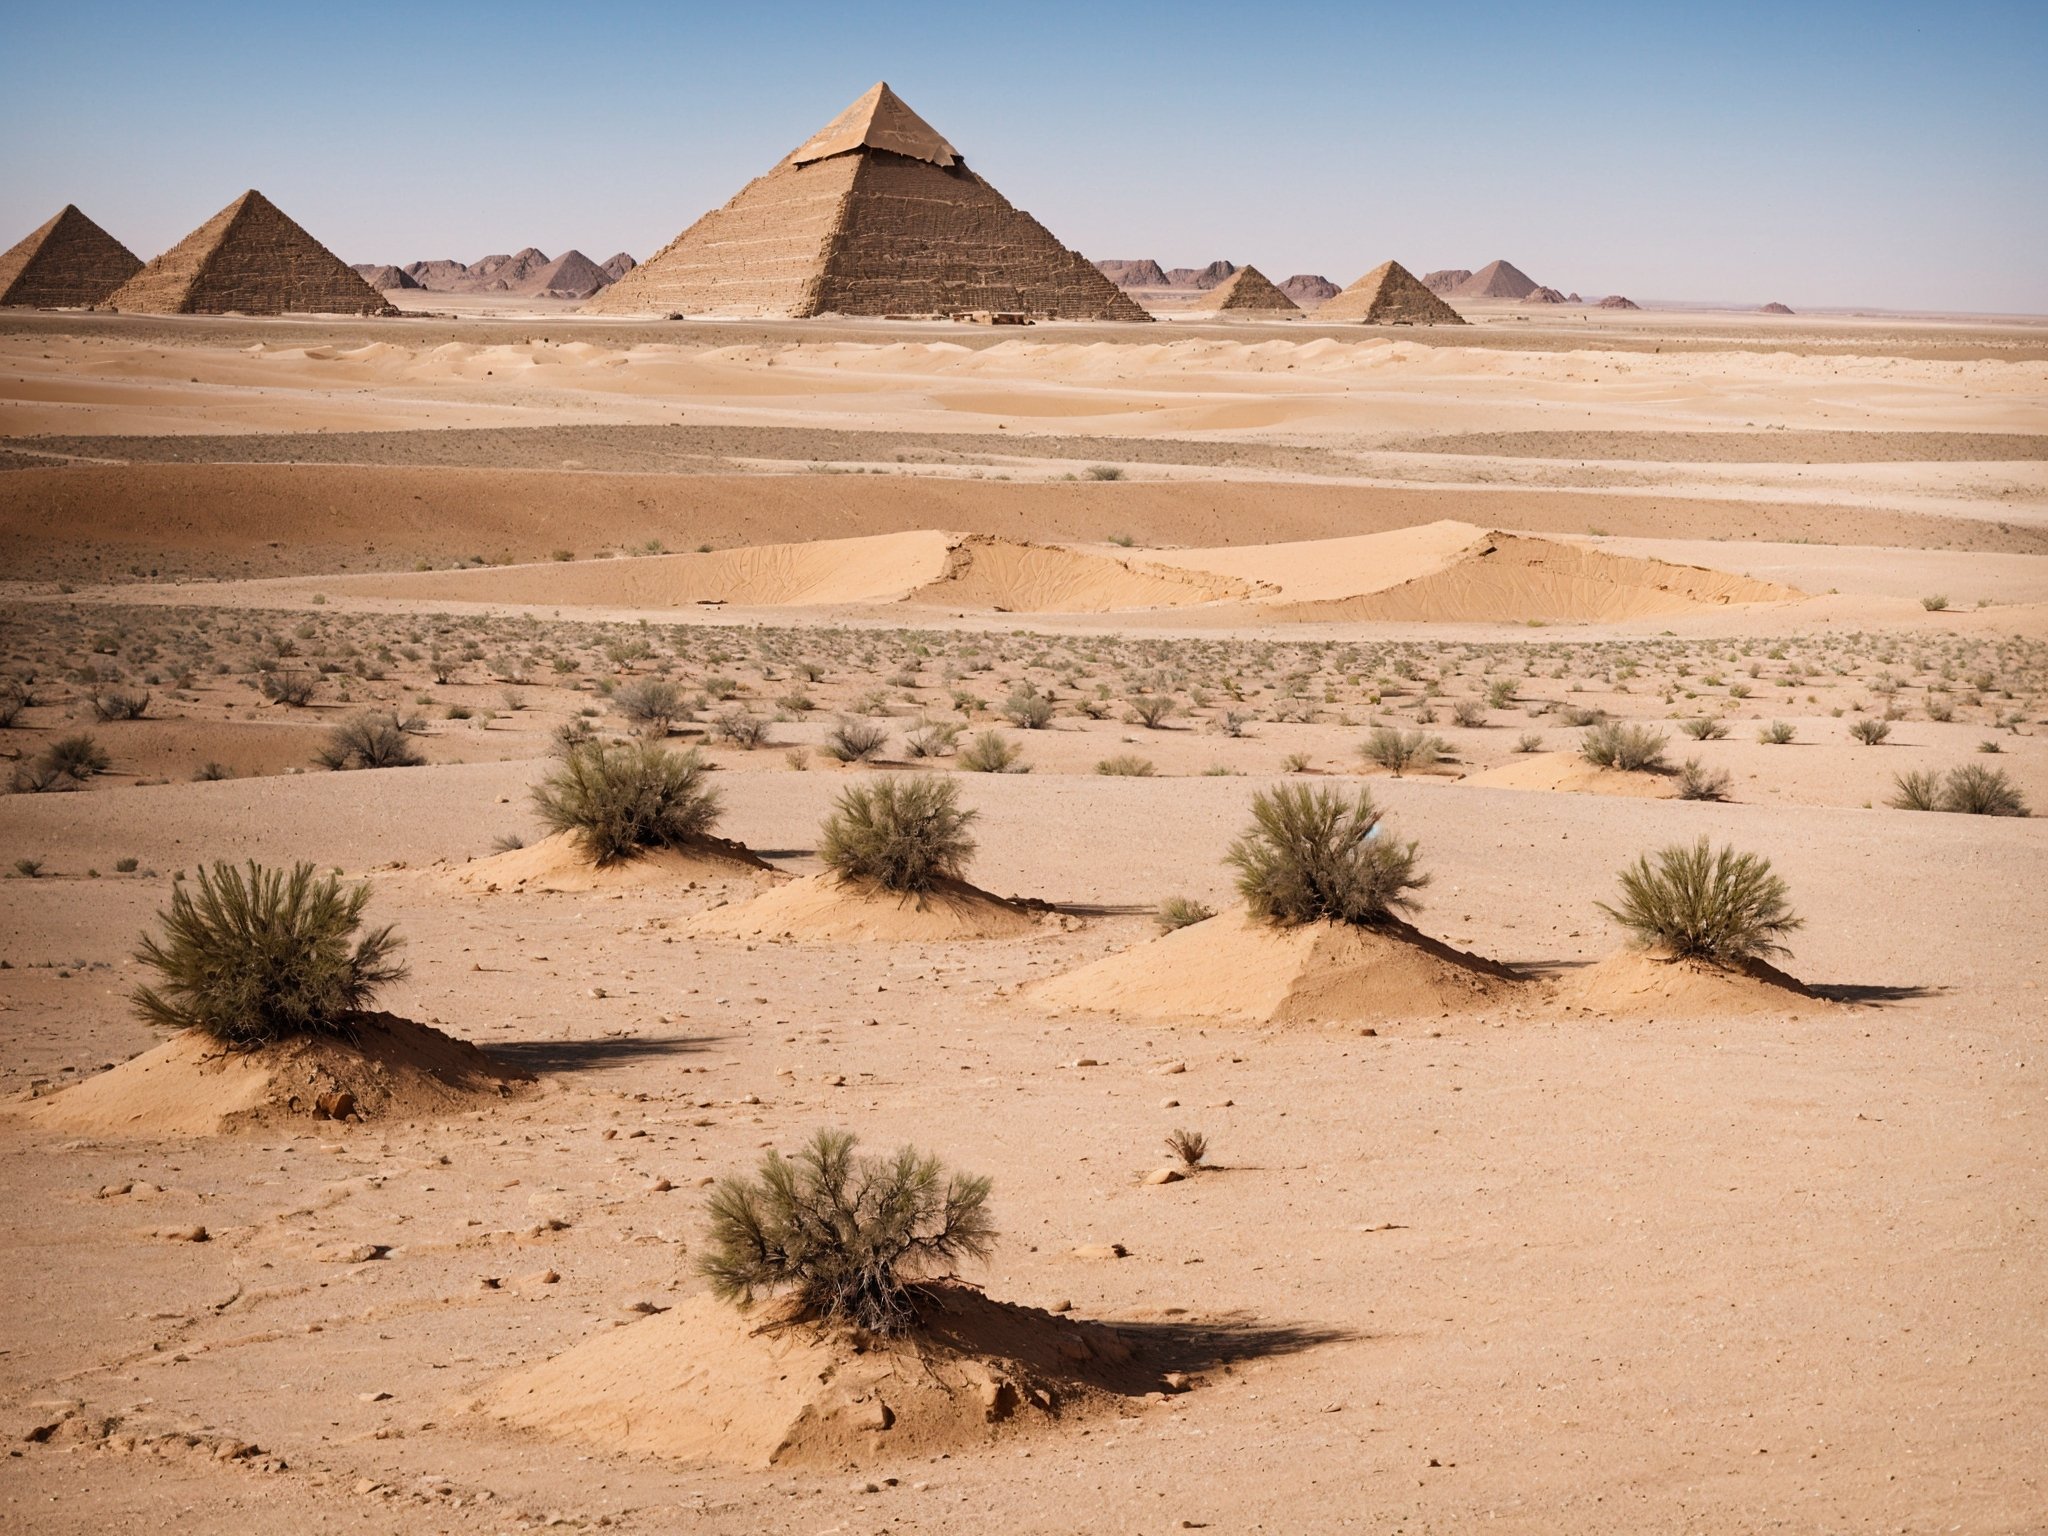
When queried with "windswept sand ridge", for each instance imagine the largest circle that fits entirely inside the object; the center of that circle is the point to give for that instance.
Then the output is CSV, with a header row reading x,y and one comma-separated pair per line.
x,y
556,863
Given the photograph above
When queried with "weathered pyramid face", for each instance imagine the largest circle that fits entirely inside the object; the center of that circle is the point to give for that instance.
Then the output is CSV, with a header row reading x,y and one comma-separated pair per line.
x,y
1248,291
1389,295
69,263
875,214
1496,280
252,259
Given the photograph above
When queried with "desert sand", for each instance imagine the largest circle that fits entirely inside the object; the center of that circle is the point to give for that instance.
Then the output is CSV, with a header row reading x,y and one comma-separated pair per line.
x,y
1503,1225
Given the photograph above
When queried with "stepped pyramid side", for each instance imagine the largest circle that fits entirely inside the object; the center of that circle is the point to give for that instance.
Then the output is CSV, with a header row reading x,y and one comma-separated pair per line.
x,y
68,263
876,214
248,257
1248,289
1389,295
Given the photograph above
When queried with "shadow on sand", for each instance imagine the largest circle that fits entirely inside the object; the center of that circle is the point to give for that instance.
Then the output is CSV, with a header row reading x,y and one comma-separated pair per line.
x,y
598,1054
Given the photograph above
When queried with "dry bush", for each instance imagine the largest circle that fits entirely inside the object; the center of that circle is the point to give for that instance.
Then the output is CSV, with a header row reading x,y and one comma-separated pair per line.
x,y
78,757
848,1237
621,799
1916,790
119,704
1870,731
1398,750
991,753
903,832
1693,901
740,728
1632,748
292,688
1777,734
1969,790
1178,912
1470,713
1529,741
1028,710
1126,765
651,704
854,740
1189,1146
1151,710
1309,857
933,738
258,955
1705,728
370,740
1696,781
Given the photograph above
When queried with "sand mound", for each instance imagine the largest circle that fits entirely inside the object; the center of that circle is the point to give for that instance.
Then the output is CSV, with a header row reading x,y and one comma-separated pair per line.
x,y
826,907
1570,773
192,1086
702,1381
1638,981
557,864
1232,967
1033,578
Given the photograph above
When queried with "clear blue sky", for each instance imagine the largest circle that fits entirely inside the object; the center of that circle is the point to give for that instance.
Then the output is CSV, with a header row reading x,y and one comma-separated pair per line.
x,y
1882,154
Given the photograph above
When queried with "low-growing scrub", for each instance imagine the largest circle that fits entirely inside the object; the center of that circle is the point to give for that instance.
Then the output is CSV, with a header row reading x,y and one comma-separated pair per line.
x,y
1398,751
620,799
1126,765
1182,912
1691,901
369,740
1630,748
1969,790
991,752
1308,856
902,832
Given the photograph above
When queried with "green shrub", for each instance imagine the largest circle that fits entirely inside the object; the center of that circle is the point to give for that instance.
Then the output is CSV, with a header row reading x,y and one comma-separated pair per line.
x,y
1631,748
848,1237
1696,781
255,955
903,832
991,753
1126,765
1309,857
1028,710
1918,789
1399,751
854,740
1969,790
1705,728
1178,912
1693,901
620,799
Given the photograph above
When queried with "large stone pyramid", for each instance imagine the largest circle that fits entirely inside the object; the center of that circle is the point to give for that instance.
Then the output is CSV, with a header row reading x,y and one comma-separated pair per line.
x,y
1389,295
1496,280
876,214
69,263
250,258
1247,290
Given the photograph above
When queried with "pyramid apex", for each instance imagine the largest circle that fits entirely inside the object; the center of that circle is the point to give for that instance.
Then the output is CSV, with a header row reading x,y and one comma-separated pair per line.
x,y
879,119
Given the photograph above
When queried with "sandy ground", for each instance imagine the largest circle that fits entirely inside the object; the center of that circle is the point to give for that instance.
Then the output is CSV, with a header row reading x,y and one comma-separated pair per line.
x,y
1711,1269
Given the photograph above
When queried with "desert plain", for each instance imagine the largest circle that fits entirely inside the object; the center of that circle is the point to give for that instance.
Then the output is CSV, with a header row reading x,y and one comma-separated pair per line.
x,y
1585,1248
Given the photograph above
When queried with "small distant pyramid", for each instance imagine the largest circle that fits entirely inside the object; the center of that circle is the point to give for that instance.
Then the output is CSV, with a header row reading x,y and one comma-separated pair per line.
x,y
875,214
383,278
619,265
1616,301
1775,308
1247,290
1544,296
1389,295
69,263
1496,280
571,275
1309,289
1445,282
250,258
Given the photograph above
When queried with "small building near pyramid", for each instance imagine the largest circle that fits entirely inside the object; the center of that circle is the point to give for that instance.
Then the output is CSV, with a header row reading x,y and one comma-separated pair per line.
x,y
875,214
251,259
1389,295
1247,291
69,263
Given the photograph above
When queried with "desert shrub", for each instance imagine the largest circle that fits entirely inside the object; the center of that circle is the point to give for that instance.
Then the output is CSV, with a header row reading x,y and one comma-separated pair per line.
x,y
1628,747
1696,781
854,740
211,773
796,702
77,756
127,866
1235,722
29,869
1182,912
119,704
1935,603
369,740
254,955
1126,765
1918,789
1470,713
13,700
619,799
1189,1146
1972,790
1529,741
1578,716
40,776
1777,734
1028,710
933,738
991,753
1295,762
1309,857
1500,693
903,832
651,704
1105,472
1151,710
1870,731
740,728
292,688
1705,728
1398,750
848,1237
1721,905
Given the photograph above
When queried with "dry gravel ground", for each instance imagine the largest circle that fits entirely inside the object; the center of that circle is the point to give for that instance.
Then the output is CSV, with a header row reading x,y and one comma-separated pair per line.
x,y
1526,1269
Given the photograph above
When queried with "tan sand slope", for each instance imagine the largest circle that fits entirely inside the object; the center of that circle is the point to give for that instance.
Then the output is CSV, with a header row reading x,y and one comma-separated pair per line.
x,y
826,907
1234,967
703,1381
556,863
1642,981
193,1086
1037,578
1569,773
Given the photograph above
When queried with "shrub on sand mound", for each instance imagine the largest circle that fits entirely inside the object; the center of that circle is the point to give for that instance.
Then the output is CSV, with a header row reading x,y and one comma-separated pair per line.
x,y
620,799
1630,748
259,955
1308,857
1725,907
848,1236
373,739
904,833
